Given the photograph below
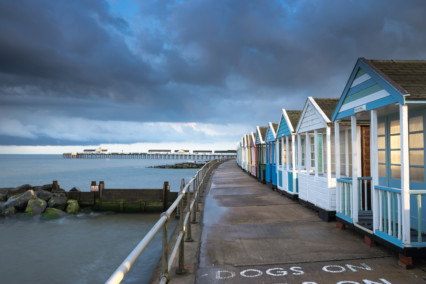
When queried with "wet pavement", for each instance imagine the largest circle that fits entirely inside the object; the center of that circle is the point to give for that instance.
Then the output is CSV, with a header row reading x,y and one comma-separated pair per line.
x,y
252,234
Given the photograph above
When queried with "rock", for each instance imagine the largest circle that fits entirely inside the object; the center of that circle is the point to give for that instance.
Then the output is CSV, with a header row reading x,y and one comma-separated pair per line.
x,y
20,201
46,187
75,189
3,196
18,190
35,206
11,211
53,213
72,207
57,201
43,194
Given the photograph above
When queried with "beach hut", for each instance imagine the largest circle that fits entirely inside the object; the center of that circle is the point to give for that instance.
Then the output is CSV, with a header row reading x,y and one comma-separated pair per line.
x,y
261,152
317,183
253,154
239,153
384,192
248,151
271,169
287,175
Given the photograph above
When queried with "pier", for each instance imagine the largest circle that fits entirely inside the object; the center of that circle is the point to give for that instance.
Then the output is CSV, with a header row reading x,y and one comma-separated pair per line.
x,y
165,156
247,233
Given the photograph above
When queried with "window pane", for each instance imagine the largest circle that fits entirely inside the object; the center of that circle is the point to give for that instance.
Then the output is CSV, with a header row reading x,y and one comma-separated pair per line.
x,y
382,170
382,157
417,174
395,142
417,157
415,123
381,128
394,127
381,142
395,157
395,172
416,140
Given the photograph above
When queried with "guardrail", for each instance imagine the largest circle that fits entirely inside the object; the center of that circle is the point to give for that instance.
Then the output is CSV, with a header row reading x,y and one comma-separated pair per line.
x,y
344,191
185,229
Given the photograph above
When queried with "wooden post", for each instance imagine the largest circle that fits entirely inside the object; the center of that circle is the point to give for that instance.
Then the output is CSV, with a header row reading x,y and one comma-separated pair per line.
x,y
328,154
166,190
316,152
405,175
374,166
337,157
355,168
293,161
55,186
101,188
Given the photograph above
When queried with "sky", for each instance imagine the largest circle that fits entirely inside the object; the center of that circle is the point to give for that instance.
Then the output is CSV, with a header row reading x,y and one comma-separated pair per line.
x,y
135,74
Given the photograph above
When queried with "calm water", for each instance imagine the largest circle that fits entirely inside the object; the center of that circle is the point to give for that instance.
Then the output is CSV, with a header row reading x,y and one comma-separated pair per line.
x,y
88,247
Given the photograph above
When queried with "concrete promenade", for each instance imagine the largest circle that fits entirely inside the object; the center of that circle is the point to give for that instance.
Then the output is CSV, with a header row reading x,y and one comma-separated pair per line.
x,y
251,234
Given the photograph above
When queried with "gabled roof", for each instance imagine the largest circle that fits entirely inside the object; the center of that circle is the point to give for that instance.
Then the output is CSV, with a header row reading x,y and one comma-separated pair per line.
x,y
288,122
377,83
261,134
271,134
253,139
316,114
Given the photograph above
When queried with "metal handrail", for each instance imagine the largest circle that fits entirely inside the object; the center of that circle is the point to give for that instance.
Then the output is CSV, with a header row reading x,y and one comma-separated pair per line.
x,y
185,230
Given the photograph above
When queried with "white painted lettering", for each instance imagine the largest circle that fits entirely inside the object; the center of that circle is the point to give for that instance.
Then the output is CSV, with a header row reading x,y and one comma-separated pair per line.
x,y
363,266
347,282
251,273
309,283
224,274
276,272
297,270
383,281
333,268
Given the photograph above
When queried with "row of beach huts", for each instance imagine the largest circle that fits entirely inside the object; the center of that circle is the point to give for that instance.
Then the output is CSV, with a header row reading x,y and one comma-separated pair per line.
x,y
359,158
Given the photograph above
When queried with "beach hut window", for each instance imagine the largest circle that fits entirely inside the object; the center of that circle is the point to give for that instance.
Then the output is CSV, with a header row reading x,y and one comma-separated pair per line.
x,y
303,146
279,152
381,147
320,140
395,149
284,152
416,150
312,152
333,153
290,152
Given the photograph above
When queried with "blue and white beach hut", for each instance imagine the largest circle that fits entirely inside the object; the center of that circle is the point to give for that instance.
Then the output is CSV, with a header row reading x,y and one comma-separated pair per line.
x,y
317,183
386,188
271,170
286,146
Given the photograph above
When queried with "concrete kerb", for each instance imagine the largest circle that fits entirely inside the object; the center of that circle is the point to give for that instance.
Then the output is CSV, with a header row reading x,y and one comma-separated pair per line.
x,y
191,248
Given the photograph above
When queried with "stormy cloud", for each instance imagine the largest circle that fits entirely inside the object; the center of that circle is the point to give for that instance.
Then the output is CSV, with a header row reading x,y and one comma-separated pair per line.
x,y
133,71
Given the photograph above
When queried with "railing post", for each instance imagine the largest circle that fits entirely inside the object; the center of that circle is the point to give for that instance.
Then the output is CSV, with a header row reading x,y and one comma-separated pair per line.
x,y
166,189
188,237
181,267
165,251
194,211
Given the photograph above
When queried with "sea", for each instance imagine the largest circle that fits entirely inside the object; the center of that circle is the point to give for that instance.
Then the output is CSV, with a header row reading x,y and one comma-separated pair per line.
x,y
88,247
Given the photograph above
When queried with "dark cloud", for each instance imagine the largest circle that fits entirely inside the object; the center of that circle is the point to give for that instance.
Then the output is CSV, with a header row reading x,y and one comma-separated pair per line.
x,y
204,61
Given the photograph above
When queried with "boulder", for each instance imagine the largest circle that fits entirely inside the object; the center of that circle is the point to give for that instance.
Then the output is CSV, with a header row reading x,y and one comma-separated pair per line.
x,y
75,189
43,194
46,187
35,206
11,211
19,190
53,213
58,201
20,201
72,207
3,196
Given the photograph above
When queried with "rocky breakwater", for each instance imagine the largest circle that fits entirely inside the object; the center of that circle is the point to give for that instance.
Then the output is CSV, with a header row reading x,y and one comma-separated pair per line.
x,y
48,200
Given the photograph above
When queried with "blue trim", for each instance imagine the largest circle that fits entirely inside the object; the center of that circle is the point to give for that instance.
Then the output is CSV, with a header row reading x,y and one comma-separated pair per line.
x,y
270,137
385,188
283,129
344,217
388,238
345,180
290,181
364,85
369,106
418,245
360,64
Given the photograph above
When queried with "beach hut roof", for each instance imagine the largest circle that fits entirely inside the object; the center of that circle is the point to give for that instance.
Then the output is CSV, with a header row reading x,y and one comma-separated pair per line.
x,y
261,134
316,114
377,83
288,122
271,134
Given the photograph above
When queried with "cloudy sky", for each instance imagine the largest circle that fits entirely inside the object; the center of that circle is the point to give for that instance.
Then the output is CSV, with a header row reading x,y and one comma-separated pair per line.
x,y
202,72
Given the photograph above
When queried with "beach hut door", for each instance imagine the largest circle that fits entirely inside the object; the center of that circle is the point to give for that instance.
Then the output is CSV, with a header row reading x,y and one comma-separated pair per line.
x,y
364,182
